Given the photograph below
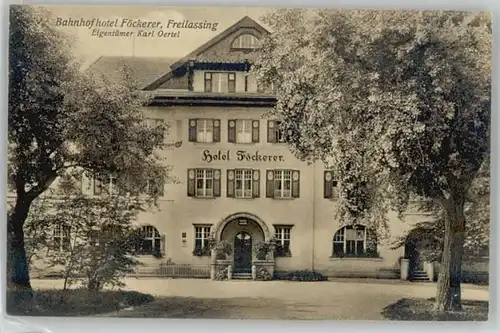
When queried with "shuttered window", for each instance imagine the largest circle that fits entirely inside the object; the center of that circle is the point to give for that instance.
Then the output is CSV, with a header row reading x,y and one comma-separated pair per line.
x,y
330,189
282,183
275,133
204,130
220,82
204,183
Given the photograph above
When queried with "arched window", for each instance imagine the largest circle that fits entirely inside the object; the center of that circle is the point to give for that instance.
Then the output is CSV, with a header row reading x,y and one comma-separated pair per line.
x,y
246,41
151,241
354,241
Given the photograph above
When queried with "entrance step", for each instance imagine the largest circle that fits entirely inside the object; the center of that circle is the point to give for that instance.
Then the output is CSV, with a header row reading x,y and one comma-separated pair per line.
x,y
420,276
242,276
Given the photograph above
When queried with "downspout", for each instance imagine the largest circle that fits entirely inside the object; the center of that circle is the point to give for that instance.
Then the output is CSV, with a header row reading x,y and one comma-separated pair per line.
x,y
313,214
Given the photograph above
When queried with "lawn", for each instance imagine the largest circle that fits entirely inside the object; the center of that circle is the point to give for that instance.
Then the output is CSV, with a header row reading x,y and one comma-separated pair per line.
x,y
421,309
74,302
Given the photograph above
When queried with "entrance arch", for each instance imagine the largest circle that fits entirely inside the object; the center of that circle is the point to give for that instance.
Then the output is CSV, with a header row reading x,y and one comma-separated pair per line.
x,y
242,231
239,219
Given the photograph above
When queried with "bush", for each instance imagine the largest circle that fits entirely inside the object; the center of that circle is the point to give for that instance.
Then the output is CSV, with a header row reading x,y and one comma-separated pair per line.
x,y
75,302
303,275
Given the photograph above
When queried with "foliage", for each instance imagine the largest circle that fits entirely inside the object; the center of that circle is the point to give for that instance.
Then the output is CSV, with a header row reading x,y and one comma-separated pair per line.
x,y
202,252
263,275
411,89
302,275
262,249
94,240
429,234
222,250
61,119
76,302
415,309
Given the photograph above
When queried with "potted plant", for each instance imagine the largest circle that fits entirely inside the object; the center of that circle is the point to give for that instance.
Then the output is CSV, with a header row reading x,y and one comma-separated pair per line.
x,y
222,250
261,249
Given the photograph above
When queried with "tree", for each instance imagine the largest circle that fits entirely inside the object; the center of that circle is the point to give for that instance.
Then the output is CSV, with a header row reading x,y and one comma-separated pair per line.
x,y
397,103
62,120
96,240
430,234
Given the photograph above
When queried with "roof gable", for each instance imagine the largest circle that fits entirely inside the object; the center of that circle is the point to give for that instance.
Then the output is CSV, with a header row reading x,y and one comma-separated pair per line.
x,y
245,24
151,72
218,48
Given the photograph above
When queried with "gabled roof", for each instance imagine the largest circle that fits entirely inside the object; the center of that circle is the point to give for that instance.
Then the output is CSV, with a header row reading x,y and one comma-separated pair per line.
x,y
245,22
150,72
144,70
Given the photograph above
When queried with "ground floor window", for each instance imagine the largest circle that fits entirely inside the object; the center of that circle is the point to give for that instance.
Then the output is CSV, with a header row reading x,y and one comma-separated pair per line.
x,y
354,241
201,241
61,238
151,242
282,238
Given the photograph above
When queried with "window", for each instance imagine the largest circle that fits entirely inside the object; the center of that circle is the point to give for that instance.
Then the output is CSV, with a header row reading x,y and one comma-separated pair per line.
x,y
245,41
204,183
204,130
151,242
282,237
275,133
153,123
352,241
243,131
243,183
105,184
330,190
220,82
283,184
155,187
61,238
201,240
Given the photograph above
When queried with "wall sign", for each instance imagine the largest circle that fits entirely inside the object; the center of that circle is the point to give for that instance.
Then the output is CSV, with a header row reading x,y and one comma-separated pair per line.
x,y
240,155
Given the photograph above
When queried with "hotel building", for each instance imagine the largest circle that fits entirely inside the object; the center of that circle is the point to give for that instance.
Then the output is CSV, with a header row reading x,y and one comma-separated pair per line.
x,y
238,181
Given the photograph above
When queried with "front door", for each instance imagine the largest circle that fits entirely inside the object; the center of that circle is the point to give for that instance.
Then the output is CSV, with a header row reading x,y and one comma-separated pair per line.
x,y
242,253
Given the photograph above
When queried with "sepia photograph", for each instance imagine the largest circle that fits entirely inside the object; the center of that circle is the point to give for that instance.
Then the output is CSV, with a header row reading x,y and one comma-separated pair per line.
x,y
248,163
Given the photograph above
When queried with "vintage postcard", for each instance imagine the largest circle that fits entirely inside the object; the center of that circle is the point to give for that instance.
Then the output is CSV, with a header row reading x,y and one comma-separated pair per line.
x,y
248,163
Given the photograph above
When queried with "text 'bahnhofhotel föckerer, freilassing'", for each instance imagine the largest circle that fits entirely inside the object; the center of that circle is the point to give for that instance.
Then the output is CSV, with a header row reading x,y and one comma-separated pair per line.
x,y
127,27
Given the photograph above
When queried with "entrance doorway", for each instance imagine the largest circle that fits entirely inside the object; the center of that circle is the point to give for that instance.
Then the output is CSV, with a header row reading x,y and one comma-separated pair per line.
x,y
243,252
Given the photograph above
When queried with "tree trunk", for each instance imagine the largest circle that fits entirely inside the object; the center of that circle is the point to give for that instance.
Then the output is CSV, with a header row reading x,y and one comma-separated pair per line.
x,y
17,261
448,295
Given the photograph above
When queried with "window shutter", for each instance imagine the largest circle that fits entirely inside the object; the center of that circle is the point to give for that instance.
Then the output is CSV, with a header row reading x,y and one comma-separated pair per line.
x,y
256,183
230,183
328,185
271,131
255,131
192,130
295,184
216,123
191,183
97,185
270,184
231,131
217,176
162,245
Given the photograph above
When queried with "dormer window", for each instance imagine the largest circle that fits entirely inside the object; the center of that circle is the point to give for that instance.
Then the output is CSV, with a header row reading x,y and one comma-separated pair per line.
x,y
246,41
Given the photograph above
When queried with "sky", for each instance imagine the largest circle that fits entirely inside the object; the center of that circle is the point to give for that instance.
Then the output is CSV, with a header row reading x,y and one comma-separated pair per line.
x,y
88,48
